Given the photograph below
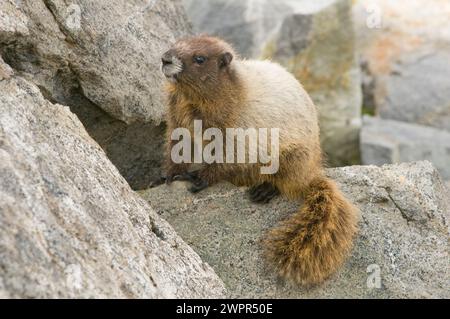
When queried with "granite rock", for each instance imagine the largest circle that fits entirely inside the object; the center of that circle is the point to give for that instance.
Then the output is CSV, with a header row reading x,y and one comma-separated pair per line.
x,y
401,250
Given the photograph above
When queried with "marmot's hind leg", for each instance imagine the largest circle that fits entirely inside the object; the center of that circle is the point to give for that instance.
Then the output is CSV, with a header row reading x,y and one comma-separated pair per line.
x,y
263,193
193,177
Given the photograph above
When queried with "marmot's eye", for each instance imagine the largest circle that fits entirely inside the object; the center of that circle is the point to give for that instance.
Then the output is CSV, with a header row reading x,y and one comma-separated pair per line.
x,y
199,59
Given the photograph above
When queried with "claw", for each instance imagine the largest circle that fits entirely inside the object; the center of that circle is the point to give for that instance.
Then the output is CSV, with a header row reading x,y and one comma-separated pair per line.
x,y
158,182
169,179
197,183
198,186
188,176
263,193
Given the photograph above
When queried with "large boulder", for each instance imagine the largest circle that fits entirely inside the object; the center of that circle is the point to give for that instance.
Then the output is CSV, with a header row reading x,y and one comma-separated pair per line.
x,y
405,51
401,250
102,59
387,141
314,40
70,226
13,21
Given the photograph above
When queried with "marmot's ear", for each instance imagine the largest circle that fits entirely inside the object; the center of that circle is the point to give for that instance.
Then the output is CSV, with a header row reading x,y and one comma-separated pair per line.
x,y
225,59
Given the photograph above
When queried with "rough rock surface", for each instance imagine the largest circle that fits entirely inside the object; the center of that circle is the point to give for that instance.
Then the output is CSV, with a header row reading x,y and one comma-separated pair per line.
x,y
314,40
5,70
403,237
387,141
102,59
405,49
70,226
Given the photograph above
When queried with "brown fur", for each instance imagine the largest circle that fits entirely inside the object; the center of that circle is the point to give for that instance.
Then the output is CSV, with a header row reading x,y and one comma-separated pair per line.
x,y
310,245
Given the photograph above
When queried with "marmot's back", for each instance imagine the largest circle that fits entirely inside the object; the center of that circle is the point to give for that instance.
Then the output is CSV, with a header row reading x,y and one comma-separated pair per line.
x,y
274,98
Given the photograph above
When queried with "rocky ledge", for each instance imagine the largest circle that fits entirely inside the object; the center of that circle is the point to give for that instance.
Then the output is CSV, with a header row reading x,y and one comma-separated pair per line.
x,y
401,250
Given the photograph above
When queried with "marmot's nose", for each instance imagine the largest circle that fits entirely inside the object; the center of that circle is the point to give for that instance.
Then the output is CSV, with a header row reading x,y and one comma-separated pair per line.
x,y
167,58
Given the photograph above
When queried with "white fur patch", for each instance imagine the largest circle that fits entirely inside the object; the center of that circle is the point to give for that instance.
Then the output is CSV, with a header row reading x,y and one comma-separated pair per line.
x,y
170,70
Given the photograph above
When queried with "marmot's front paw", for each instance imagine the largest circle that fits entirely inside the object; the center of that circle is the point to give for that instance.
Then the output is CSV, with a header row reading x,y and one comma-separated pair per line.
x,y
198,183
157,182
174,171
263,193
169,178
198,186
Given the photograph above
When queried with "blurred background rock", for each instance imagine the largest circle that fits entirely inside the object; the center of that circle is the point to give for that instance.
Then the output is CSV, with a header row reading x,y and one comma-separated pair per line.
x,y
406,81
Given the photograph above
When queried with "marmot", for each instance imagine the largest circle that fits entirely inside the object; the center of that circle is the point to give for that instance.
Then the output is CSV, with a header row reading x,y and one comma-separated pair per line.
x,y
207,81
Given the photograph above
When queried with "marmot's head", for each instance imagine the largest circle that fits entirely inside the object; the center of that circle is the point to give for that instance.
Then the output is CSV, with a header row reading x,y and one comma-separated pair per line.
x,y
198,62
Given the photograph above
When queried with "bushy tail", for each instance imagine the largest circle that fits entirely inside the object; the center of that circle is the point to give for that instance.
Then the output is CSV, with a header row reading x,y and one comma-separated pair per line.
x,y
310,245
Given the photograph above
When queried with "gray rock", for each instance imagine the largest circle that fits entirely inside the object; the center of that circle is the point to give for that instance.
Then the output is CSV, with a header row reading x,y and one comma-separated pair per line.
x,y
13,22
112,49
406,59
387,141
403,238
5,70
70,226
314,40
447,183
136,149
102,59
419,92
